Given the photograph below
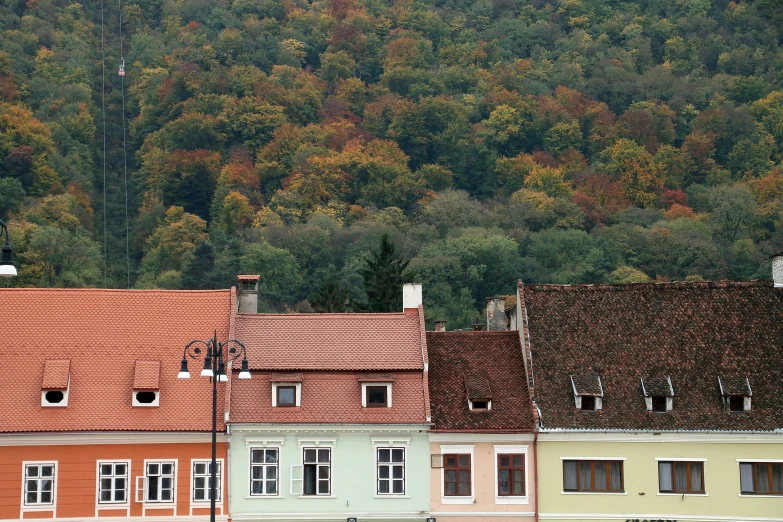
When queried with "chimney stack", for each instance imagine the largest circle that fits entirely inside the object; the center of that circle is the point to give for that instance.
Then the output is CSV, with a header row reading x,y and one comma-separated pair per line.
x,y
496,313
440,326
478,327
248,294
777,269
411,296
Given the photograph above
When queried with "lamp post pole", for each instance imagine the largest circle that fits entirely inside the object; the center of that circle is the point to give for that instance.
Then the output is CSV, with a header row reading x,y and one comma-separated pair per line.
x,y
7,268
215,359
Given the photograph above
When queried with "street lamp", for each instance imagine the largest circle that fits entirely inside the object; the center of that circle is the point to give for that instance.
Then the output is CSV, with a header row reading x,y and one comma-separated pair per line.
x,y
7,268
215,369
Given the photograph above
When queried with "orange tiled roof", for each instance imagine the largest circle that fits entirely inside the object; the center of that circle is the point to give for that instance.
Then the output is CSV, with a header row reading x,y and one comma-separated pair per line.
x,y
103,333
146,375
56,372
328,397
331,341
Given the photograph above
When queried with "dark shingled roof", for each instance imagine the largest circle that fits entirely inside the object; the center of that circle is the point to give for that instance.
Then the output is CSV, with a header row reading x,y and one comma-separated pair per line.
x,y
735,385
657,387
456,359
477,385
693,332
587,385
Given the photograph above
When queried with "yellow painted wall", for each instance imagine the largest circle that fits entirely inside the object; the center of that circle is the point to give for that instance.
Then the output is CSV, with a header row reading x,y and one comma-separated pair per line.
x,y
641,499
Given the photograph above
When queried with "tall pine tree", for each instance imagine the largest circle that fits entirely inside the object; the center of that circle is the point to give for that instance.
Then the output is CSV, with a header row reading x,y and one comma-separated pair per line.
x,y
384,275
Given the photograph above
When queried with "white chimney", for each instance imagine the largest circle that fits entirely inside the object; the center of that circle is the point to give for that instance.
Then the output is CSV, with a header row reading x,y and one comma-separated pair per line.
x,y
411,296
248,294
777,269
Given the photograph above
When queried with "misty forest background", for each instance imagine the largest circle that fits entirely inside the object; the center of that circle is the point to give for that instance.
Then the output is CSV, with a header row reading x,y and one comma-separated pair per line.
x,y
567,141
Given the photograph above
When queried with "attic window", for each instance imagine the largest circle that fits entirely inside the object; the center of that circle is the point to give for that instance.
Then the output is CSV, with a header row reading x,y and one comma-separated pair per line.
x,y
479,391
658,394
146,385
588,392
56,383
736,393
286,390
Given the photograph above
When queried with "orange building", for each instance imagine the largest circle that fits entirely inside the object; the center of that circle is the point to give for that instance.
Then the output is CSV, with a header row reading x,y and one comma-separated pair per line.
x,y
94,422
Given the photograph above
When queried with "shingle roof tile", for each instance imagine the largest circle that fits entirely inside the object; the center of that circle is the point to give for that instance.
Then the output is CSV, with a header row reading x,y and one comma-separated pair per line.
x,y
146,375
56,374
657,387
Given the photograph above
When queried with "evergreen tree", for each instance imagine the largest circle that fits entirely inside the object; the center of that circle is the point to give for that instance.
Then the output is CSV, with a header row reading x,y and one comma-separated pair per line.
x,y
332,297
197,272
384,274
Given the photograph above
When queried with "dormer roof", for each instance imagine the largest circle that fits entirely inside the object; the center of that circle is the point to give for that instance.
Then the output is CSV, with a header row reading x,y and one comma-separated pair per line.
x,y
657,387
477,385
734,386
587,385
56,374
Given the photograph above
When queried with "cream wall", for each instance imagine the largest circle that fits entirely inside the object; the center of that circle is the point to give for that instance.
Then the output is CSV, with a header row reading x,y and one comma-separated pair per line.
x,y
484,478
641,499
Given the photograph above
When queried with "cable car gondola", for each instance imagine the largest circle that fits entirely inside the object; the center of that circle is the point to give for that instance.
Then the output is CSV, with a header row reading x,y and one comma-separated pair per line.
x,y
122,68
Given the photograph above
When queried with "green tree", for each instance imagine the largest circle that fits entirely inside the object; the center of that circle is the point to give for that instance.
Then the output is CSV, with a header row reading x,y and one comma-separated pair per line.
x,y
331,297
384,274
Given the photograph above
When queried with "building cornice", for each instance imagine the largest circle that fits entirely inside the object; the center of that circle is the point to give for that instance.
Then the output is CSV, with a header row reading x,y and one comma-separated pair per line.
x,y
87,438
243,429
653,437
480,437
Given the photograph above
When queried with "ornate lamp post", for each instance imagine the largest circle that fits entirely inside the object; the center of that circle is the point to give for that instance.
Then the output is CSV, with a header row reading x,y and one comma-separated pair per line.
x,y
7,268
216,354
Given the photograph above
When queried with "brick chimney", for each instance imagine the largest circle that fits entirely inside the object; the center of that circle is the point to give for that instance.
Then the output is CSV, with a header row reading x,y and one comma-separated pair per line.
x,y
496,313
777,269
248,294
411,297
440,326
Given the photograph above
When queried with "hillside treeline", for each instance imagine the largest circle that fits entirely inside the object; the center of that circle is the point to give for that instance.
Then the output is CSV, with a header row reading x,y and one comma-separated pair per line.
x,y
573,141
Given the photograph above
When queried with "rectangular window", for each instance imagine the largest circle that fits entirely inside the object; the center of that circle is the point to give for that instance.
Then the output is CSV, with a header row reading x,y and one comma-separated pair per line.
x,y
593,475
659,404
38,484
376,397
761,478
681,477
160,481
456,475
112,482
264,467
317,463
736,403
286,396
511,475
202,481
391,471
588,403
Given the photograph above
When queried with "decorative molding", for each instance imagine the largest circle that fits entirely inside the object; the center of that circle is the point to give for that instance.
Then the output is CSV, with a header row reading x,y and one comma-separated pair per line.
x,y
679,459
482,513
317,442
390,441
480,437
328,428
130,437
263,442
644,436
593,458
657,516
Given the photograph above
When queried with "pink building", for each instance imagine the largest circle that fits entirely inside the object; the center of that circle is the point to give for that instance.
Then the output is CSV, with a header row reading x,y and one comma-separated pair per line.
x,y
482,443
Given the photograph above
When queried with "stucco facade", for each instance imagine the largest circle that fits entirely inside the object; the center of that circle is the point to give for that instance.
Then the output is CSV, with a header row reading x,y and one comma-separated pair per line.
x,y
484,501
353,472
640,454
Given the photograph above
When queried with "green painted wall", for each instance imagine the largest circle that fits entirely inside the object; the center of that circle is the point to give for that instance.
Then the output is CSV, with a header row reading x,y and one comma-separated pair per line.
x,y
641,499
353,475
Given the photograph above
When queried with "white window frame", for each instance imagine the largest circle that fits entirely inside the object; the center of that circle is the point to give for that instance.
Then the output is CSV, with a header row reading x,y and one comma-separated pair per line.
x,y
112,504
391,465
142,491
388,386
302,450
50,506
298,386
458,449
219,485
279,466
505,449
153,404
488,408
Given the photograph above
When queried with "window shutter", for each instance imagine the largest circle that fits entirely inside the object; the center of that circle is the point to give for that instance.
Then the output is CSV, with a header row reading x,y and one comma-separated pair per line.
x,y
296,480
746,477
746,404
140,487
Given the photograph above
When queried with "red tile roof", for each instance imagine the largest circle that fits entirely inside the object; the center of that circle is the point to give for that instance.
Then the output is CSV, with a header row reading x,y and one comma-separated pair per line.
x,y
331,341
104,333
328,397
146,375
56,373
455,356
692,332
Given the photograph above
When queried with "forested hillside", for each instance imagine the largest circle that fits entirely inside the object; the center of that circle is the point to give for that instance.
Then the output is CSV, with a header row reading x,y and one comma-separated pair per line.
x,y
578,141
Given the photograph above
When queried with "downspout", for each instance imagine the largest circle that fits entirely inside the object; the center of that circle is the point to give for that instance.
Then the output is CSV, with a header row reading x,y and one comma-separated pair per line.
x,y
535,470
227,508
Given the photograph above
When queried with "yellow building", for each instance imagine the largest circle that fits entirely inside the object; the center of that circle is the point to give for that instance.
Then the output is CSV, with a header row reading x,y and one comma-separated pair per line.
x,y
660,401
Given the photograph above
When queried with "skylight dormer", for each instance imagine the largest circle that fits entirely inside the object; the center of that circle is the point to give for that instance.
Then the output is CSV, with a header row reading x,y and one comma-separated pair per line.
x,y
588,392
735,392
286,389
479,391
56,383
658,394
146,384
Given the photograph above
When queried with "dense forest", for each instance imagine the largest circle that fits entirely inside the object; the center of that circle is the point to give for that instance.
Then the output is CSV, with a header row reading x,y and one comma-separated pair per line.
x,y
568,141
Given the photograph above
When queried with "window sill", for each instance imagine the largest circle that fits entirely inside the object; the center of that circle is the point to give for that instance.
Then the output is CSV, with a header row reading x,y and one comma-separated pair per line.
x,y
391,496
262,497
511,500
760,495
315,496
457,500
108,505
685,494
617,493
42,507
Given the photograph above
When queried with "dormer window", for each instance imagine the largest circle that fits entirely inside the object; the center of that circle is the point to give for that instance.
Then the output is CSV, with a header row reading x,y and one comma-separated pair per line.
x,y
286,390
736,393
588,392
658,394
376,389
146,384
479,391
56,383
